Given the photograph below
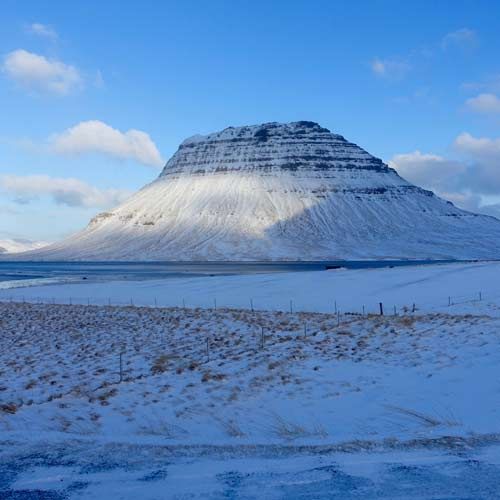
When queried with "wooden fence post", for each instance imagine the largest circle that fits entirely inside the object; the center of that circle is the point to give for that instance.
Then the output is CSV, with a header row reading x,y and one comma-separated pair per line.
x,y
121,367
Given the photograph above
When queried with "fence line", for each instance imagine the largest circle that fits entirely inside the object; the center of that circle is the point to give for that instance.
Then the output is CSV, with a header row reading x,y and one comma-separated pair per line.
x,y
380,308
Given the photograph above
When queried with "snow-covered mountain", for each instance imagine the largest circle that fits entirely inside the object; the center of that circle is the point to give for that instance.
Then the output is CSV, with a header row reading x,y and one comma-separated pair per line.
x,y
276,191
17,245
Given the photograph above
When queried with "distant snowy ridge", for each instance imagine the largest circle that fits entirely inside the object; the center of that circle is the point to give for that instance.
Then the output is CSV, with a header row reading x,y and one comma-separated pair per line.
x,y
9,246
279,192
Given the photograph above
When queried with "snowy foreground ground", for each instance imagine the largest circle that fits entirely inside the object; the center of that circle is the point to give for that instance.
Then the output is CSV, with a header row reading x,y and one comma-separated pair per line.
x,y
102,401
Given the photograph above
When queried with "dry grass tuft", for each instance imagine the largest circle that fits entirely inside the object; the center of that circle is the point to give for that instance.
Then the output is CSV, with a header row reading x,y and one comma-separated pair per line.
x,y
9,408
160,364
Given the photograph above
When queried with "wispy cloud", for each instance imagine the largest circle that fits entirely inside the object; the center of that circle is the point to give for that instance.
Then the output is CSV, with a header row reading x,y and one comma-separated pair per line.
x,y
95,136
463,38
396,68
392,69
36,72
489,84
42,30
64,191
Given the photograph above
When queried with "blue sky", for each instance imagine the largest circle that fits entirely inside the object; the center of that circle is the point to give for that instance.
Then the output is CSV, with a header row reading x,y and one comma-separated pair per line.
x,y
417,84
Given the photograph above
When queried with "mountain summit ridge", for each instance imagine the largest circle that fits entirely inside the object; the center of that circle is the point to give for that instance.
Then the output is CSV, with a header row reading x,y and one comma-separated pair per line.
x,y
276,192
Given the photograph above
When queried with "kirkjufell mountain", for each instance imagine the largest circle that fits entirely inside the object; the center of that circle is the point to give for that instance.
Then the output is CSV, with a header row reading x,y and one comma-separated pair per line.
x,y
277,191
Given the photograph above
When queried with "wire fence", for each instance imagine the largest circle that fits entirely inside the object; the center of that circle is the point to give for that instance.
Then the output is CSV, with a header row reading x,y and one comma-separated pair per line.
x,y
291,305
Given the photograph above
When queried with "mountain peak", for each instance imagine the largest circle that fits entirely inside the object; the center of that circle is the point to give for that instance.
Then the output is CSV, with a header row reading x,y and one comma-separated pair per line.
x,y
273,146
259,131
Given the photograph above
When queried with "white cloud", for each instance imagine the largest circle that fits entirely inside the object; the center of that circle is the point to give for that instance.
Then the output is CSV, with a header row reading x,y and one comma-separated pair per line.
x,y
392,69
460,182
482,148
42,30
462,38
483,154
463,199
471,183
64,191
98,137
37,72
484,103
430,171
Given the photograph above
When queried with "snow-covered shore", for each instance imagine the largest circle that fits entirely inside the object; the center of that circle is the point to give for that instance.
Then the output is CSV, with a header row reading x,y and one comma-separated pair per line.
x,y
450,288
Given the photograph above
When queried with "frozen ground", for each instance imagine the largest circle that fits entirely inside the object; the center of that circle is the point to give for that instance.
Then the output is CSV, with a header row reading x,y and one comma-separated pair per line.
x,y
218,403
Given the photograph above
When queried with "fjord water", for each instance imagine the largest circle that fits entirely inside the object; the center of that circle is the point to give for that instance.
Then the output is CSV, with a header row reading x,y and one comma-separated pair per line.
x,y
35,273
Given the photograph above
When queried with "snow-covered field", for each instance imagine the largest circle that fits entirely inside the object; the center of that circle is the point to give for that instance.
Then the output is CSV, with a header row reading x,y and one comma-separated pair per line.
x,y
101,401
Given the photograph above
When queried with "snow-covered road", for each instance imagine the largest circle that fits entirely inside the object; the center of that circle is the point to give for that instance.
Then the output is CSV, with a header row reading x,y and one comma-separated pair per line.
x,y
82,471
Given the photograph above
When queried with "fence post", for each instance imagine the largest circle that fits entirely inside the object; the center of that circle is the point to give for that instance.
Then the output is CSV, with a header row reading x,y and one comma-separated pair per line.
x,y
381,306
449,301
414,308
251,304
335,307
480,296
121,367
395,311
291,306
338,318
215,304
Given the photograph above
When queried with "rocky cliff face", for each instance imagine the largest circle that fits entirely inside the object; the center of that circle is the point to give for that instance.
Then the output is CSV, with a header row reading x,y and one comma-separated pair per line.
x,y
300,147
280,192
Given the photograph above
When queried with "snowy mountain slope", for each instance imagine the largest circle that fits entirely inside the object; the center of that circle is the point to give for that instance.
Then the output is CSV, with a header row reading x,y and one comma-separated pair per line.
x,y
279,192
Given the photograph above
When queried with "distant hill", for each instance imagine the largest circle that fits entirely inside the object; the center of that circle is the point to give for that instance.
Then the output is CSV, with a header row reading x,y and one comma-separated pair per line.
x,y
8,246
